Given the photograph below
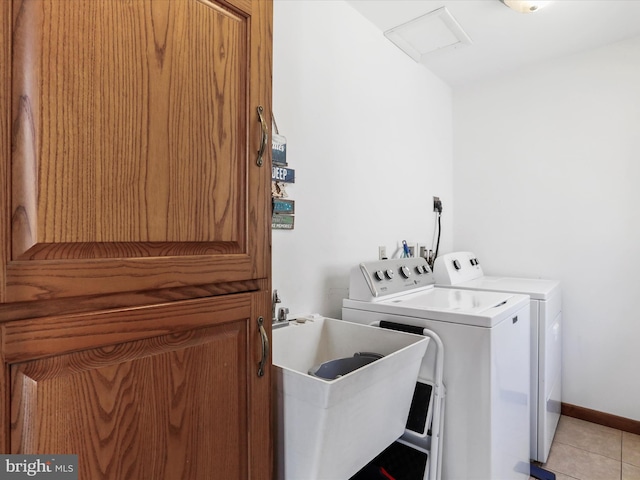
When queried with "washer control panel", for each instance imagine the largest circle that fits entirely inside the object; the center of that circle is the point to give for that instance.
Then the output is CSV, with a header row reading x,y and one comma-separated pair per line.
x,y
371,280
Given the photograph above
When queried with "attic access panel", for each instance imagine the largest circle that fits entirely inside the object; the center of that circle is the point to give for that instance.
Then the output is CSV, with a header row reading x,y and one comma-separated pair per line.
x,y
436,31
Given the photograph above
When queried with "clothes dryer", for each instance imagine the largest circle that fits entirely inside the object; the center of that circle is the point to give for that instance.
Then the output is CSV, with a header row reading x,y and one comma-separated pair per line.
x,y
486,361
462,270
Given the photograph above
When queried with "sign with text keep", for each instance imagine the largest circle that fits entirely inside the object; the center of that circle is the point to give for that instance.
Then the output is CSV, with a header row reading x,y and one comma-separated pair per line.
x,y
281,174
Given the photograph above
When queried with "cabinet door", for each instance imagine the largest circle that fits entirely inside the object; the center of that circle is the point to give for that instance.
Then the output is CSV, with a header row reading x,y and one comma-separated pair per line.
x,y
134,137
174,406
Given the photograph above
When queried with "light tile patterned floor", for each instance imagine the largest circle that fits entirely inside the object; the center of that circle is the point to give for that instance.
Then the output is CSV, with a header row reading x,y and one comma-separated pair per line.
x,y
586,451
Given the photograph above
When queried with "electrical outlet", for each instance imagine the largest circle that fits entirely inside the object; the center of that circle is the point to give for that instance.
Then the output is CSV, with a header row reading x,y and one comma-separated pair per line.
x,y
382,252
437,205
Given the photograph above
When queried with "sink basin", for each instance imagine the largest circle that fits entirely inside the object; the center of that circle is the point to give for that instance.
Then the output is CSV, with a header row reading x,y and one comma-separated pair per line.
x,y
330,429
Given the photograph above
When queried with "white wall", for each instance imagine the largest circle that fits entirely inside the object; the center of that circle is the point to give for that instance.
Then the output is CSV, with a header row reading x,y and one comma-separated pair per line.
x,y
547,183
369,135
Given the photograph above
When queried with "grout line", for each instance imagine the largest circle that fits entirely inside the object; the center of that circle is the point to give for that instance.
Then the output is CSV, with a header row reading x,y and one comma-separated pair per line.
x,y
636,465
591,451
630,465
587,451
621,451
595,453
569,476
564,474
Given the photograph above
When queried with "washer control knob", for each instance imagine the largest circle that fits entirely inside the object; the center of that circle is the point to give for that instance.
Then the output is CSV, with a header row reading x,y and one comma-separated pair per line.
x,y
379,275
420,269
389,273
404,270
456,265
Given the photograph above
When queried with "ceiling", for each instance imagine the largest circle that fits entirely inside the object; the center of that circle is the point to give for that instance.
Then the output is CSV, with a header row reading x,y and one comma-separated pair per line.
x,y
504,40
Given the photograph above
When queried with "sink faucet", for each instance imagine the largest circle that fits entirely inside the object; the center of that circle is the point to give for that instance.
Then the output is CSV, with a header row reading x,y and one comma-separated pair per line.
x,y
275,300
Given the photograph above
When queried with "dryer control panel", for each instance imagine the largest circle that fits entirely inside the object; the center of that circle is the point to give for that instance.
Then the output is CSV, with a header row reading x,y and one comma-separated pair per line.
x,y
372,280
457,267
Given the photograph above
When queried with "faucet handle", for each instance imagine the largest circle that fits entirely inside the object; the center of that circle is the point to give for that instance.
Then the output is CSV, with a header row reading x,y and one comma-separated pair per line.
x,y
275,299
282,314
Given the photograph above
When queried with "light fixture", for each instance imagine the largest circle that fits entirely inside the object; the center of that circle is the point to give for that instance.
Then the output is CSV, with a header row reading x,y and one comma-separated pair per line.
x,y
525,6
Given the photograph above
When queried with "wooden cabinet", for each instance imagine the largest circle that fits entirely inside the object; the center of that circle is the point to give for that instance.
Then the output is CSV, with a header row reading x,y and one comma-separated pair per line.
x,y
135,235
170,406
133,139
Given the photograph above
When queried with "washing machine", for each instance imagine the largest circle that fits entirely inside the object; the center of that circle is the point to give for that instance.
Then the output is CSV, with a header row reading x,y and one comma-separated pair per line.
x,y
462,270
486,361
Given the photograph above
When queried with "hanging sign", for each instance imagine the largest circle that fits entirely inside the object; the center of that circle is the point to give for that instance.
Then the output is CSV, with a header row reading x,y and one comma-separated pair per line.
x,y
278,149
282,222
282,174
281,205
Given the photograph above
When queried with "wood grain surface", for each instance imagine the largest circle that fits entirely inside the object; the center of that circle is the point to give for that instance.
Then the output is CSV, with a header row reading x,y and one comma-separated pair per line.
x,y
149,409
123,112
135,240
28,340
134,136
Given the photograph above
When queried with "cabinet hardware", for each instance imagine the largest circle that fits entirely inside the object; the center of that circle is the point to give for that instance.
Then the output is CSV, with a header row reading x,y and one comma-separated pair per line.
x,y
264,137
265,346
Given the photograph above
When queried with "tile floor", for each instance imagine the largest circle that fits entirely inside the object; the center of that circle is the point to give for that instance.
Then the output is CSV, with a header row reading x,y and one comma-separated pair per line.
x,y
586,451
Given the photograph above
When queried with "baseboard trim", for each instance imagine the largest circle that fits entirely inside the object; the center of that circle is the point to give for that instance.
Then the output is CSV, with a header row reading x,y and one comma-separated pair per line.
x,y
601,418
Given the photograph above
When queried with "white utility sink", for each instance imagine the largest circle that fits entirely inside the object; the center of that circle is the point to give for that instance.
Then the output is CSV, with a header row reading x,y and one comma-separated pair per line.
x,y
330,429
